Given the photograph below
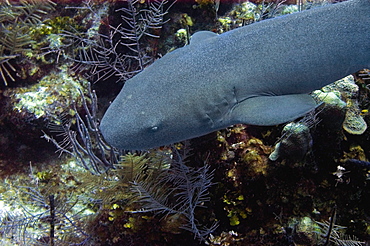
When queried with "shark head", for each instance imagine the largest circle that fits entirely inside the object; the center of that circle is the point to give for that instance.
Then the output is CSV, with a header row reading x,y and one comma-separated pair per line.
x,y
138,129
140,119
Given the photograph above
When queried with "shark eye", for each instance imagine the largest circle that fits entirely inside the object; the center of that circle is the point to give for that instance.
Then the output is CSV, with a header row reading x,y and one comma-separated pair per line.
x,y
154,128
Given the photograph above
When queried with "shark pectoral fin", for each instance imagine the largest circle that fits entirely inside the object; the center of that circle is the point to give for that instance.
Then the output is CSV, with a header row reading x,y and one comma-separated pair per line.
x,y
201,36
272,110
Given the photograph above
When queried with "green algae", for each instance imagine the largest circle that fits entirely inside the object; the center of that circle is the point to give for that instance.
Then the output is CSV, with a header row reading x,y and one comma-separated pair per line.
x,y
54,95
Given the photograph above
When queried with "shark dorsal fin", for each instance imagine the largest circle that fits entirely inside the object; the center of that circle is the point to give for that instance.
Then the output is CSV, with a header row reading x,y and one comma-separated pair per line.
x,y
201,36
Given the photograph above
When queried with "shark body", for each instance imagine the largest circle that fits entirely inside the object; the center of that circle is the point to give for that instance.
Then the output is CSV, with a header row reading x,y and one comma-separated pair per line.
x,y
258,74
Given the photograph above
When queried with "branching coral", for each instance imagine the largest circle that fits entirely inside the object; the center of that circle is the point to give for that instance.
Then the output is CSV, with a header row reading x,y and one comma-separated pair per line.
x,y
45,214
179,190
86,143
365,74
119,53
330,232
17,18
6,68
247,12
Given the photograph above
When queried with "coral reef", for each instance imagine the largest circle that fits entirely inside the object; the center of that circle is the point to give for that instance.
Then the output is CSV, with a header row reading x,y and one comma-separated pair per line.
x,y
250,12
118,53
334,109
53,94
296,142
347,90
47,199
176,193
18,20
230,187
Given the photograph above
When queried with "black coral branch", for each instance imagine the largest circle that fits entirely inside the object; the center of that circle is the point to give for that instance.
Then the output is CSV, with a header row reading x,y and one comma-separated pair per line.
x,y
179,190
52,217
119,53
83,140
17,18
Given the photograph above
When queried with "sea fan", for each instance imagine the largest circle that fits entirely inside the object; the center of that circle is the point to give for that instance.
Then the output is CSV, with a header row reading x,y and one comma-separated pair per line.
x,y
179,190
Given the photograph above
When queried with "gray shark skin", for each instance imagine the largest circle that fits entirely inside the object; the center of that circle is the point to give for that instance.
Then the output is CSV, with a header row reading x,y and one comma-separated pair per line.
x,y
259,74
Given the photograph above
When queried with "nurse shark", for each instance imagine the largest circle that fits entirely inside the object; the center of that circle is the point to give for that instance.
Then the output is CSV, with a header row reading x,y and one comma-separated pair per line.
x,y
258,74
